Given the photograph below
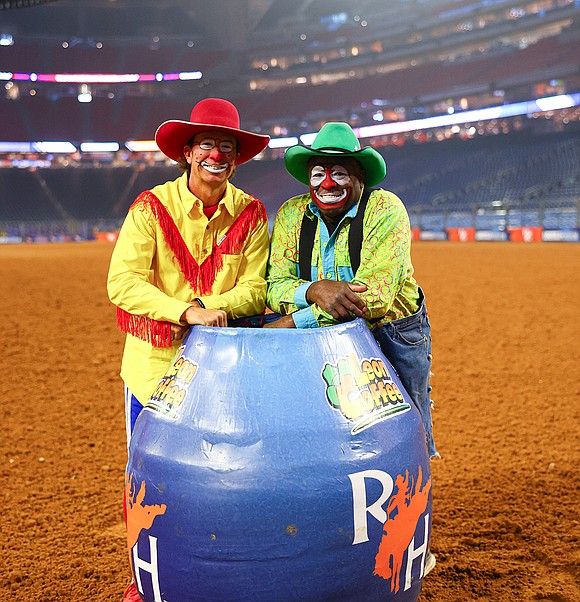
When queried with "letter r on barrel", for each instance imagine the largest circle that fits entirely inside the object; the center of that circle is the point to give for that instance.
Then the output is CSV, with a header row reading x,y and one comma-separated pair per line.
x,y
359,501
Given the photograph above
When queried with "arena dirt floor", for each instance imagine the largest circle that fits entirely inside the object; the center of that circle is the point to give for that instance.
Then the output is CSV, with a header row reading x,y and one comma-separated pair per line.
x,y
507,421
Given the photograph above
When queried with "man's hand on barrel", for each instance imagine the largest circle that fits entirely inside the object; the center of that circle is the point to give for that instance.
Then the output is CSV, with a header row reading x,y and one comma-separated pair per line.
x,y
205,317
283,322
178,331
338,298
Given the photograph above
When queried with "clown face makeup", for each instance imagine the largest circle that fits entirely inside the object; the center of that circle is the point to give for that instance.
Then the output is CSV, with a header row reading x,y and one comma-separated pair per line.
x,y
337,173
212,156
334,187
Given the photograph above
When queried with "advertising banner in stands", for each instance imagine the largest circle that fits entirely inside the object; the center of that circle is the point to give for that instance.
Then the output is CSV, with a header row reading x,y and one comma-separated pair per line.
x,y
525,234
561,235
461,234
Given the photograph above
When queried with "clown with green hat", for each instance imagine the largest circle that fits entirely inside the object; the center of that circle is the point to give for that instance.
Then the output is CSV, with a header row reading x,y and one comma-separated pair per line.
x,y
342,251
336,139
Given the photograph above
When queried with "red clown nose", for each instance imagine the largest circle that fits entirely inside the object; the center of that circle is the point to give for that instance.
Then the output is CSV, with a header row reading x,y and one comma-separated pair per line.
x,y
328,183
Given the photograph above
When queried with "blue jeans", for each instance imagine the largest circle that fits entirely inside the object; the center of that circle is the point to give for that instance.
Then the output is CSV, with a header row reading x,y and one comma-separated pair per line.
x,y
133,408
406,343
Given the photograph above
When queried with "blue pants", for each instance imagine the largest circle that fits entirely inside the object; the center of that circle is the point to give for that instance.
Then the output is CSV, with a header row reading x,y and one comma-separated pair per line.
x,y
406,343
133,408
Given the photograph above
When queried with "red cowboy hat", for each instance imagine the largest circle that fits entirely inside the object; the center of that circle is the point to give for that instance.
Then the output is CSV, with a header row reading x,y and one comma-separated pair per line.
x,y
209,114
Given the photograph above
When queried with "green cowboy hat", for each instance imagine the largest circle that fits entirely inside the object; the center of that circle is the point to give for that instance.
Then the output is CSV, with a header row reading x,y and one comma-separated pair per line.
x,y
335,139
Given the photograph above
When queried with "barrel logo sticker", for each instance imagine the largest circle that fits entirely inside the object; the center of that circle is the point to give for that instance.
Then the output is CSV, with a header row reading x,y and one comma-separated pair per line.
x,y
139,518
402,507
172,388
363,391
404,510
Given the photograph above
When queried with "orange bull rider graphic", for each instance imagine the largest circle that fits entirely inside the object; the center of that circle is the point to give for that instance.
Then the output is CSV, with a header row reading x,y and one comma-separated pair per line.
x,y
139,516
404,509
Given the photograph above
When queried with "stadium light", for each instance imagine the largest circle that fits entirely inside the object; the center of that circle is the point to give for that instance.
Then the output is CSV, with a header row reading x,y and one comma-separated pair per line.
x,y
308,139
553,103
498,112
142,146
15,147
283,142
90,78
101,78
550,103
54,147
84,94
188,75
100,147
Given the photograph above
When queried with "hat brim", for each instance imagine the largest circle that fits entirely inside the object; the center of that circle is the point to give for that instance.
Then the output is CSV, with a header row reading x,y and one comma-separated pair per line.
x,y
296,159
171,136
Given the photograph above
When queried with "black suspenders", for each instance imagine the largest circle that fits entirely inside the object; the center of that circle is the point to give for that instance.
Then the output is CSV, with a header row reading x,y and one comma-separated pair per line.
x,y
355,236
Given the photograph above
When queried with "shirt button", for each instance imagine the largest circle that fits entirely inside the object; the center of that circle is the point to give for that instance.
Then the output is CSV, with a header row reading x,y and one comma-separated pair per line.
x,y
328,275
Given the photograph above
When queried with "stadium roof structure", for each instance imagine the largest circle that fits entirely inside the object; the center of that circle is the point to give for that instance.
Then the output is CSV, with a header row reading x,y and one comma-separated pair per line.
x,y
245,45
288,64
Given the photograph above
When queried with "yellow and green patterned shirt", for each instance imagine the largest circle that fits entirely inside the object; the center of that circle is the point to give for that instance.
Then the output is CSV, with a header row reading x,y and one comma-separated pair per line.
x,y
385,266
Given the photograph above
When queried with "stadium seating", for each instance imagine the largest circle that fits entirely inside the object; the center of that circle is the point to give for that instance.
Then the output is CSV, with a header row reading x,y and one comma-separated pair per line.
x,y
423,63
136,117
515,172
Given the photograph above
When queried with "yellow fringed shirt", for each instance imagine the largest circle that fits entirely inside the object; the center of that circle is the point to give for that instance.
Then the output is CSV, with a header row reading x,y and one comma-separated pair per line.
x,y
145,278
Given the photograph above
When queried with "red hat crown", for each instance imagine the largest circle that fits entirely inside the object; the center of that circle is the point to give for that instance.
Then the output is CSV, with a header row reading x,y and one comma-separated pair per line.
x,y
216,111
208,114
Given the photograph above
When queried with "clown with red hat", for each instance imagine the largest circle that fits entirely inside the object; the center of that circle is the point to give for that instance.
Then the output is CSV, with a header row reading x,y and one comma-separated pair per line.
x,y
191,251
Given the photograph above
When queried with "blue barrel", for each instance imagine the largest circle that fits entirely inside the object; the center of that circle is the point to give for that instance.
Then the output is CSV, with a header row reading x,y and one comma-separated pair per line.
x,y
279,465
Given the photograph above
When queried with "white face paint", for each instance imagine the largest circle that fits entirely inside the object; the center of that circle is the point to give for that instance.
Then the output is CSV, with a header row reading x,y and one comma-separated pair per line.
x,y
330,186
208,144
337,173
211,156
216,149
214,168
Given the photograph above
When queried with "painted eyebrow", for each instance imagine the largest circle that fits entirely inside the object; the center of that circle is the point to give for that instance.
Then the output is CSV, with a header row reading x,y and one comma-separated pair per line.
x,y
330,167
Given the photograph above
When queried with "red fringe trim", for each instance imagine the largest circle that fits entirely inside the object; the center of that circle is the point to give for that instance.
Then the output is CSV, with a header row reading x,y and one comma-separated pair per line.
x,y
200,278
152,331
